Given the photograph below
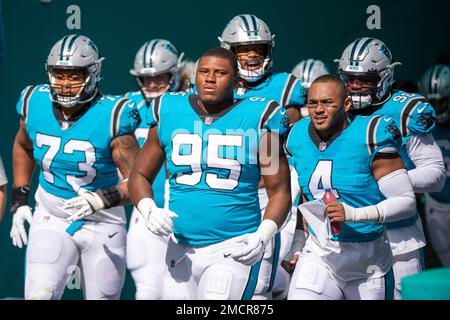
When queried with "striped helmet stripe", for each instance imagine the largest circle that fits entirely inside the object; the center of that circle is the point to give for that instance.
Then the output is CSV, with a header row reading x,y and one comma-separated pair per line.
x,y
72,41
244,19
144,56
61,50
152,49
305,70
435,79
363,47
355,44
309,70
255,24
67,45
301,68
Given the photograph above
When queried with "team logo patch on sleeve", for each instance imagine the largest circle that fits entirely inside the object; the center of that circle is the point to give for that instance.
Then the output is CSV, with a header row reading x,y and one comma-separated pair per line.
x,y
426,120
135,115
395,132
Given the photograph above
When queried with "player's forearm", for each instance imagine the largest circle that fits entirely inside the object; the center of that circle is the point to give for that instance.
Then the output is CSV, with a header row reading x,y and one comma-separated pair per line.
x,y
139,187
278,206
400,202
123,187
23,165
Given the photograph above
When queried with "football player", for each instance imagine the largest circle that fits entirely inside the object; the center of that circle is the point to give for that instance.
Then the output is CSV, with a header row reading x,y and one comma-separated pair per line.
x,y
78,137
367,68
157,70
307,71
370,184
435,86
252,42
216,152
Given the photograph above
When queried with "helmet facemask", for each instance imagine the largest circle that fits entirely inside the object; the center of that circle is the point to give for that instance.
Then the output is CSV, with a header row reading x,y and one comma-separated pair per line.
x,y
160,84
85,90
374,85
157,69
263,50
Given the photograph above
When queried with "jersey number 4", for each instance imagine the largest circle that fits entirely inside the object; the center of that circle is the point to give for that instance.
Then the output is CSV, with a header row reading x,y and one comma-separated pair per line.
x,y
54,145
321,179
213,160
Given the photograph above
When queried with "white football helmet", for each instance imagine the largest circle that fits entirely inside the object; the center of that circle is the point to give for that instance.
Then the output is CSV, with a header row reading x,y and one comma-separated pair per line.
x,y
156,57
367,58
435,86
309,70
74,52
246,29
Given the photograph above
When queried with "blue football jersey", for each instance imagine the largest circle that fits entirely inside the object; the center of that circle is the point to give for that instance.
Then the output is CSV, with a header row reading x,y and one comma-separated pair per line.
x,y
81,152
213,163
284,88
441,134
411,112
414,116
141,134
344,166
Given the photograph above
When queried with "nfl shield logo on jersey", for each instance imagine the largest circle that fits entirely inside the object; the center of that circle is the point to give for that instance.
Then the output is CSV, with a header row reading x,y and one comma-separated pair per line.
x,y
64,125
209,120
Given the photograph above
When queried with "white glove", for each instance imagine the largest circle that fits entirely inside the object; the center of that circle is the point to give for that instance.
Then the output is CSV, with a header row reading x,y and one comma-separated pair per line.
x,y
158,221
86,203
254,243
18,233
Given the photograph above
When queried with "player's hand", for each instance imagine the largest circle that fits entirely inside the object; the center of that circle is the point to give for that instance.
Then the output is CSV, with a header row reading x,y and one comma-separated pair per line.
x,y
336,212
86,203
254,243
253,248
18,233
289,266
158,221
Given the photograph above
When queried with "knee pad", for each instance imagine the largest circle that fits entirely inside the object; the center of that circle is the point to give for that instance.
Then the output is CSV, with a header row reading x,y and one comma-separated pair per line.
x,y
403,269
311,276
110,275
218,285
45,246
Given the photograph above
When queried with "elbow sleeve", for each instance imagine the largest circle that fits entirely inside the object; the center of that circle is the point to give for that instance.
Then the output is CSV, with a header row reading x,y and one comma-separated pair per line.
x,y
429,172
399,204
